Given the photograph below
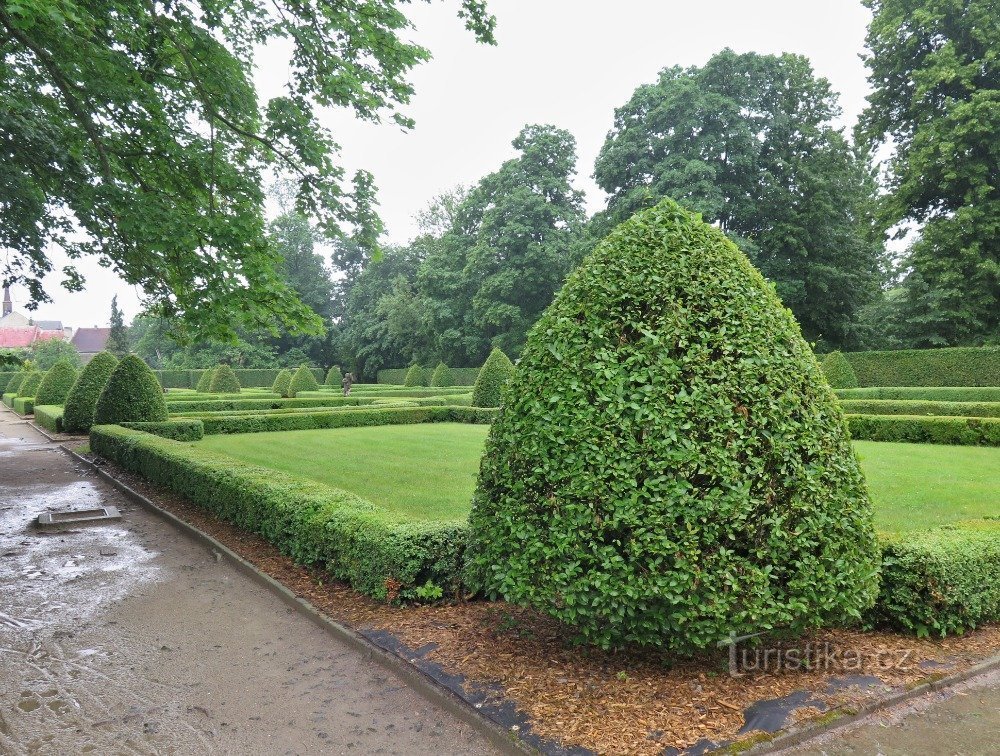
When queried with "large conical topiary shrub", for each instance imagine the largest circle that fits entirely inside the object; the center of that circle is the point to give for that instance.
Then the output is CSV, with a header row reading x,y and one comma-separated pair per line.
x,y
56,384
205,382
415,376
492,380
14,384
334,376
30,383
669,465
224,381
280,386
303,380
442,376
838,371
78,411
131,395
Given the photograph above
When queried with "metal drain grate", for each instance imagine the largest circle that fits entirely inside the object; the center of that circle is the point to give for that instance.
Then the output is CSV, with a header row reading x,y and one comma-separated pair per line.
x,y
78,516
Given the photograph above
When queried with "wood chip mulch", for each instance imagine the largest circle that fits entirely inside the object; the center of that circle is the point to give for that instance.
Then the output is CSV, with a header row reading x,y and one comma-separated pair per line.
x,y
635,702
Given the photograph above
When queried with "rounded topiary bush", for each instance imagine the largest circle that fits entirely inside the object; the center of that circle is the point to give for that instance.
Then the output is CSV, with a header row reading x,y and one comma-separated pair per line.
x,y
30,383
280,386
669,464
56,384
303,380
334,376
14,384
415,376
205,382
442,376
492,380
838,371
131,395
78,411
224,381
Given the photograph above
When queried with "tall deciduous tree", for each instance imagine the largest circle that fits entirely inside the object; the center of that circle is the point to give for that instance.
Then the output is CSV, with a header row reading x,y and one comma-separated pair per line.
x,y
933,66
131,130
748,141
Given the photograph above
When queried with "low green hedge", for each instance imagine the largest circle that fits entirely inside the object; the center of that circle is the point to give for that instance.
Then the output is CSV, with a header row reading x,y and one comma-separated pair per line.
x,y
366,416
460,376
186,429
50,417
941,581
963,431
195,396
248,377
954,366
379,553
910,407
8,398
227,405
23,405
940,394
838,371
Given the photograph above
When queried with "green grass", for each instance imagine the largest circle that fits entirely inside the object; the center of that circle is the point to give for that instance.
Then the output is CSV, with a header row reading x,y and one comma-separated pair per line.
x,y
429,471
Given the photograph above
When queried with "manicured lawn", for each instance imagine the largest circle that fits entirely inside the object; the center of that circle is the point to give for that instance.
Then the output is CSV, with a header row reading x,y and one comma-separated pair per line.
x,y
429,471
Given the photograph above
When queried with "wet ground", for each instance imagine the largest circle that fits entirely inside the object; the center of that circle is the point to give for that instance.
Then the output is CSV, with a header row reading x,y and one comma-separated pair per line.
x,y
129,637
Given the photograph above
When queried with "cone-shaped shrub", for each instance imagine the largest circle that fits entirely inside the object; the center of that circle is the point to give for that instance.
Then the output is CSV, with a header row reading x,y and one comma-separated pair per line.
x,y
334,376
303,380
415,376
492,379
14,384
280,386
669,464
442,376
56,384
224,381
205,382
838,371
132,395
78,412
30,383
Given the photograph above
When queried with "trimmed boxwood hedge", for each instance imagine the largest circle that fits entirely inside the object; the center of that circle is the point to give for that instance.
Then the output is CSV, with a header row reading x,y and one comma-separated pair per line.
x,y
302,380
415,376
56,384
396,376
23,405
227,405
941,581
375,551
334,377
224,381
280,385
942,394
442,376
186,429
669,464
953,366
6,376
31,383
838,371
131,395
50,417
14,382
205,382
962,431
348,418
909,407
492,381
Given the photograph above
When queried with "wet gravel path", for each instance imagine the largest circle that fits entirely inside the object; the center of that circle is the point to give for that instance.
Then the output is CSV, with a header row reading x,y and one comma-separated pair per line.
x,y
130,637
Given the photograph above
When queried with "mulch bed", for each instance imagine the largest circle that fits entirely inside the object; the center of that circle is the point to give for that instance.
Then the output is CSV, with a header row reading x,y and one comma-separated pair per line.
x,y
636,701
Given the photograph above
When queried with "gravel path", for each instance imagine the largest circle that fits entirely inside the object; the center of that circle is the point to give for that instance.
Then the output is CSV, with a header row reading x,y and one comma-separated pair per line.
x,y
132,638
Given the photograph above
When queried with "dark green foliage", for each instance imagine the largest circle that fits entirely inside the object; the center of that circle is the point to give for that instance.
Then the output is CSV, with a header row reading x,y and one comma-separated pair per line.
x,y
941,581
7,378
838,371
31,383
23,405
227,405
186,429
205,381
333,376
45,354
56,384
943,394
224,381
118,342
78,412
347,418
902,407
50,417
963,431
415,376
353,540
669,464
442,376
496,373
460,376
14,385
131,395
280,386
302,380
960,366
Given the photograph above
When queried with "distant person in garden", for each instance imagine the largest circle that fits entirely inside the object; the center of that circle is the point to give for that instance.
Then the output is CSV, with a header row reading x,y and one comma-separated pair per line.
x,y
347,380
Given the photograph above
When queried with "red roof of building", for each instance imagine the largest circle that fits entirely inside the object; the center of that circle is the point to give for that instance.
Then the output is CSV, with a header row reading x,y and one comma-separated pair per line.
x,y
16,338
49,335
89,340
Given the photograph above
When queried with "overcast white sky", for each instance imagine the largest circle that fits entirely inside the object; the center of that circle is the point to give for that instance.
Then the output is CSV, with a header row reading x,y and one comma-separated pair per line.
x,y
565,62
